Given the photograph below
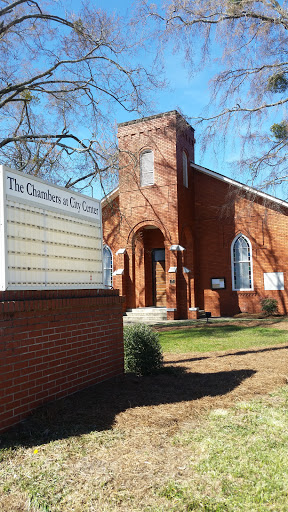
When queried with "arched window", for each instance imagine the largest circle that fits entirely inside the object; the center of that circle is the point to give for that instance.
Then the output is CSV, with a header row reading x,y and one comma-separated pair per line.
x,y
107,266
241,256
185,169
147,168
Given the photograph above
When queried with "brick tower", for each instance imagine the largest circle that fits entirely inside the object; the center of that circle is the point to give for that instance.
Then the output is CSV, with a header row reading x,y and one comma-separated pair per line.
x,y
150,228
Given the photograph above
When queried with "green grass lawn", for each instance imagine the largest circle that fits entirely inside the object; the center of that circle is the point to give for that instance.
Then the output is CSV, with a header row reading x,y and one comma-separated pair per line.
x,y
213,337
239,460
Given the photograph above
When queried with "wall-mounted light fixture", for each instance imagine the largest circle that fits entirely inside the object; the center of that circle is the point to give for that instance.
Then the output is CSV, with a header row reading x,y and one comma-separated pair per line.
x,y
177,247
118,272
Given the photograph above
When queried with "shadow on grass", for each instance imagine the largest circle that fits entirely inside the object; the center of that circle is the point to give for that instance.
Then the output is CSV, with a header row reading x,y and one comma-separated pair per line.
x,y
203,331
213,322
188,359
95,408
218,331
244,352
228,354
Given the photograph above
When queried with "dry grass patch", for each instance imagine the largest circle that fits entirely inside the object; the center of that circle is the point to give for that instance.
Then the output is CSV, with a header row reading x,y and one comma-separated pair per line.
x,y
147,443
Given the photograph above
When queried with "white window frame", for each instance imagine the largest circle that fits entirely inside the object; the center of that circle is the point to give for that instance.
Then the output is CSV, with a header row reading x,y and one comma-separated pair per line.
x,y
111,268
185,169
146,176
233,262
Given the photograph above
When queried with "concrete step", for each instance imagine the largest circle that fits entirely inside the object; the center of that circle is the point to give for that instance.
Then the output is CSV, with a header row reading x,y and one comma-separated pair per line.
x,y
147,321
146,311
148,315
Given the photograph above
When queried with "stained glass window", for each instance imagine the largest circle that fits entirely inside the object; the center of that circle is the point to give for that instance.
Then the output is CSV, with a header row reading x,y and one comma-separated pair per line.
x,y
107,266
242,264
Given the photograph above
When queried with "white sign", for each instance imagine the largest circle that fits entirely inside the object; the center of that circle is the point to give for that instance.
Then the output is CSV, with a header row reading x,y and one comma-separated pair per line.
x,y
25,187
50,238
273,281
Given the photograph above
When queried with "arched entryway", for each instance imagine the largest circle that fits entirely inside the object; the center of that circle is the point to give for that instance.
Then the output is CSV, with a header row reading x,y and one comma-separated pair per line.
x,y
149,276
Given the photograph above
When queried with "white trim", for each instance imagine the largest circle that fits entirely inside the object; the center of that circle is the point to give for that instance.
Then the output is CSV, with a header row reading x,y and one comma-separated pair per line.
x,y
171,309
3,237
232,264
111,254
110,196
253,190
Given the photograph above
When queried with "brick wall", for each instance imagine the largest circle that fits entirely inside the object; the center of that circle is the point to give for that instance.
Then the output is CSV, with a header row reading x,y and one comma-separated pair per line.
x,y
222,212
54,343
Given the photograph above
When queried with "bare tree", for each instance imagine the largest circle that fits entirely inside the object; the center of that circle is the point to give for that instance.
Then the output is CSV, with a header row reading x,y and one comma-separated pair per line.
x,y
61,75
248,40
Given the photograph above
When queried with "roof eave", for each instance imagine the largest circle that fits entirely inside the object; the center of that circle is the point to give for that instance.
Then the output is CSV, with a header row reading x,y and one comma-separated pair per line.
x,y
235,183
109,197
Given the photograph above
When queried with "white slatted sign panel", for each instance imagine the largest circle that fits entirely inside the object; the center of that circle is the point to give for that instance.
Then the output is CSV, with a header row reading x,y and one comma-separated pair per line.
x,y
49,248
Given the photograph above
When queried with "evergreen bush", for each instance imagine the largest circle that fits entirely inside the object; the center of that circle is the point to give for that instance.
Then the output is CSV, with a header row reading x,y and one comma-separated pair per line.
x,y
142,350
269,306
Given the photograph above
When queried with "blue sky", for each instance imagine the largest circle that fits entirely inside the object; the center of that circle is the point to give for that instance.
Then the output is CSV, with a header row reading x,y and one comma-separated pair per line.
x,y
185,93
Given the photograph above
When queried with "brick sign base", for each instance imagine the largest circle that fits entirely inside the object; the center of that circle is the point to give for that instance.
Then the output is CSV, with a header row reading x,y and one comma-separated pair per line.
x,y
54,343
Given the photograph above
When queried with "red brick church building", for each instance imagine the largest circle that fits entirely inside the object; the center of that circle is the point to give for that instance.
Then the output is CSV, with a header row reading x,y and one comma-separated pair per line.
x,y
180,236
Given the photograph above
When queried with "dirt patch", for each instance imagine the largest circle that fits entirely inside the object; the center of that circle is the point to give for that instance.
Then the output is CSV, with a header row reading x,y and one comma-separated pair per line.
x,y
116,444
209,380
191,383
281,325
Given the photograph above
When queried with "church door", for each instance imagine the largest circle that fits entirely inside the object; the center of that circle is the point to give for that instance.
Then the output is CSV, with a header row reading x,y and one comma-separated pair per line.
x,y
159,281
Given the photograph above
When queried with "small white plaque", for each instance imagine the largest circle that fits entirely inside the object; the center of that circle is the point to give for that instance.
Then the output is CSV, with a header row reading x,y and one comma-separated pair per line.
x,y
273,281
218,283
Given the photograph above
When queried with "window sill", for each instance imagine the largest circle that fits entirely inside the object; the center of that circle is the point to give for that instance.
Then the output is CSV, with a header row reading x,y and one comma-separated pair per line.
x,y
247,293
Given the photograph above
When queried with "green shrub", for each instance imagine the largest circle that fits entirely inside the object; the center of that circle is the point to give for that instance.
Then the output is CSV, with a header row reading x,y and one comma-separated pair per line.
x,y
142,350
269,306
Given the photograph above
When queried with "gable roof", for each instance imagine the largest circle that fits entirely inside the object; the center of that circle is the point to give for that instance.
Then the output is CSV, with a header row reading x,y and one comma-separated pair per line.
x,y
238,184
